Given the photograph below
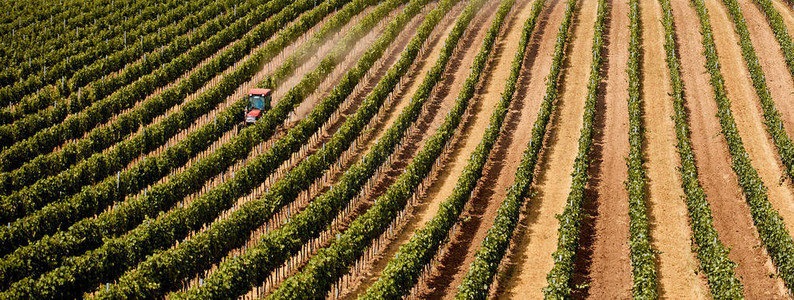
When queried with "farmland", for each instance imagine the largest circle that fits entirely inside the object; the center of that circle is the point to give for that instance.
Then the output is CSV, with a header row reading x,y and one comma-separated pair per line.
x,y
427,149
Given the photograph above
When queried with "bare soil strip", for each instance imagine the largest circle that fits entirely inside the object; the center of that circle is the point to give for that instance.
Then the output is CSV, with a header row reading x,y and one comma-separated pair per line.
x,y
603,259
732,217
499,172
678,274
457,71
770,55
471,132
746,107
355,151
553,183
390,57
786,12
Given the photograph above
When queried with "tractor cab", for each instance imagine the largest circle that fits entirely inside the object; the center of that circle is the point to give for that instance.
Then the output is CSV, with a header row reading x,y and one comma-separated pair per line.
x,y
258,104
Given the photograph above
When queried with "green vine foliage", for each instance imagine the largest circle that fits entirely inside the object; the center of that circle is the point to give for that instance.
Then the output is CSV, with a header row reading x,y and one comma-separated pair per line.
x,y
163,271
711,252
101,165
133,247
137,28
404,269
146,172
71,53
642,254
481,273
235,276
89,233
29,155
774,125
330,263
781,33
45,35
91,83
568,235
769,223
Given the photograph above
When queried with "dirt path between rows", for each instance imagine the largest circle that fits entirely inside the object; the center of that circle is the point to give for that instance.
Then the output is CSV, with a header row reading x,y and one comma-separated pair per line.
x,y
553,183
677,266
785,12
603,257
441,101
499,170
770,55
476,122
731,213
747,111
403,97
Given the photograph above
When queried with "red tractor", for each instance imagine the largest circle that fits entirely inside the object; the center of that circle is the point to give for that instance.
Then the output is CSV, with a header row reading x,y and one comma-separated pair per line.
x,y
258,104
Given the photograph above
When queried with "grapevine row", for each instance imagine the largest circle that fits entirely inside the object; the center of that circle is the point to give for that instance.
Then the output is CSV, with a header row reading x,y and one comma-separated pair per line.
x,y
75,126
133,247
124,67
769,223
712,253
403,271
332,262
71,56
774,125
193,256
478,280
569,233
149,138
643,257
132,181
88,233
780,30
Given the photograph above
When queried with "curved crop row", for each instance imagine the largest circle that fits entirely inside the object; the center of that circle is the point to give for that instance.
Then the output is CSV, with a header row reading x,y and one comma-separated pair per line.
x,y
403,271
75,126
478,280
236,276
569,233
62,214
643,256
88,233
42,39
780,30
774,125
324,268
97,79
712,254
769,223
150,137
128,249
54,163
206,248
70,56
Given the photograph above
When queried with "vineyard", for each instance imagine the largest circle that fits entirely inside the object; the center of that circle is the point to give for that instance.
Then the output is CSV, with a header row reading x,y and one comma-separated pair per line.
x,y
423,149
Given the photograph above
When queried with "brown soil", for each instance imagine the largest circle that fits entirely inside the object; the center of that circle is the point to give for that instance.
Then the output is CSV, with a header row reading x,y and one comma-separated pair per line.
x,y
475,124
677,265
441,101
553,183
770,55
500,168
747,108
603,259
786,12
731,213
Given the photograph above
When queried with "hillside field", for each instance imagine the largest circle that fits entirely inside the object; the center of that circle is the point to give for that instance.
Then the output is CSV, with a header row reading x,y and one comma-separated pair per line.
x,y
386,149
